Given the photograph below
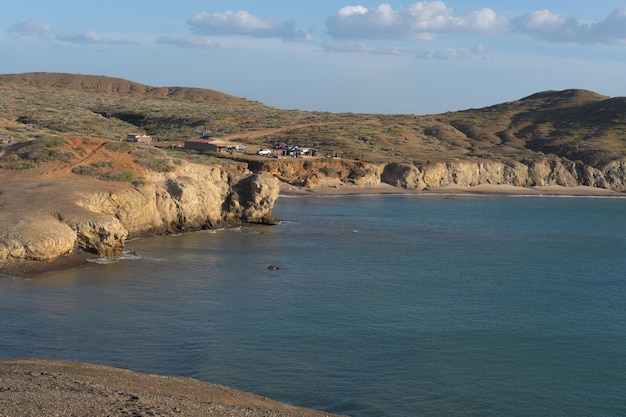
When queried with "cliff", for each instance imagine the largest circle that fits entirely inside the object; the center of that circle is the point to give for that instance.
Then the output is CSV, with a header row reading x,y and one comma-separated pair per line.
x,y
191,198
538,172
311,173
49,211
48,218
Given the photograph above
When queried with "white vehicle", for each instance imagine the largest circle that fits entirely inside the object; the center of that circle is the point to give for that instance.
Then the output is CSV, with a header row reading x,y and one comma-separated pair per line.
x,y
264,151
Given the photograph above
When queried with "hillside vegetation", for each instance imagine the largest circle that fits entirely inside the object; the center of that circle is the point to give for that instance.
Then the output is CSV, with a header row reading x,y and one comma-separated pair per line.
x,y
577,125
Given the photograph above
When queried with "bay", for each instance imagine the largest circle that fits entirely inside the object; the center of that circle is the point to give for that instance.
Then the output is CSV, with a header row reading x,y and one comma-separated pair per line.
x,y
381,306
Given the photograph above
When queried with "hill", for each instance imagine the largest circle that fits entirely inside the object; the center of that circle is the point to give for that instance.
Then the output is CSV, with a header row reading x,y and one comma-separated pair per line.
x,y
574,124
102,84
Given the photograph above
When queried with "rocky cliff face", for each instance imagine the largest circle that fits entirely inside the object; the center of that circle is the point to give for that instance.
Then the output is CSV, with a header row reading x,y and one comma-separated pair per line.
x,y
74,217
191,198
542,172
63,217
311,173
538,172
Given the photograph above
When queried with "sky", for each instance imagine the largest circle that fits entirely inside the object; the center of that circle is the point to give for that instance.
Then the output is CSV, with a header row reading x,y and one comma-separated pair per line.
x,y
359,56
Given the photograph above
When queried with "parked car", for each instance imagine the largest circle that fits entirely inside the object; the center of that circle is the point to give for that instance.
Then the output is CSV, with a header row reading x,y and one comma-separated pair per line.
x,y
264,151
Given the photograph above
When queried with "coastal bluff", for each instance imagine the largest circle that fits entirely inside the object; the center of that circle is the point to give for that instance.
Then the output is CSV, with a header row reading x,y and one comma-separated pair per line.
x,y
50,212
544,171
537,173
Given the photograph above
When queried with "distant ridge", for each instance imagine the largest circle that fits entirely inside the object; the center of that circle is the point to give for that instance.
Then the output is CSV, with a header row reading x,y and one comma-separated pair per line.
x,y
575,124
565,98
101,83
575,94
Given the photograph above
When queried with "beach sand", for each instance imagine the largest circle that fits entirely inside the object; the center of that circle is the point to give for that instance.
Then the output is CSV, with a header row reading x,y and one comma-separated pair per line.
x,y
486,189
38,387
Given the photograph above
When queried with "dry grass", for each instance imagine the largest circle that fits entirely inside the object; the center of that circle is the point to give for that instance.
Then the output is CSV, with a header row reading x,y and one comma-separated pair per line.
x,y
576,124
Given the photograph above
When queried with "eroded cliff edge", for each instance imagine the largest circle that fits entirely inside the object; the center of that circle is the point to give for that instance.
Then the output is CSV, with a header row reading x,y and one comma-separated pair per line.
x,y
47,219
541,172
538,172
54,212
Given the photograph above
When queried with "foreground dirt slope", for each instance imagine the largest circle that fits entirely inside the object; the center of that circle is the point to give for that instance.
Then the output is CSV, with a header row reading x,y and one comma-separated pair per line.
x,y
37,387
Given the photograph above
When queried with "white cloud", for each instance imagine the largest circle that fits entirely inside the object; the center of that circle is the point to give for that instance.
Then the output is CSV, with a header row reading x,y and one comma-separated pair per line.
x,y
31,27
420,21
350,10
611,30
244,23
200,42
89,38
484,21
548,26
544,24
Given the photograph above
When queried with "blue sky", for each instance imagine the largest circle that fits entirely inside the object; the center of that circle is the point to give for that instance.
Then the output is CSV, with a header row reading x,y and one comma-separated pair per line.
x,y
343,56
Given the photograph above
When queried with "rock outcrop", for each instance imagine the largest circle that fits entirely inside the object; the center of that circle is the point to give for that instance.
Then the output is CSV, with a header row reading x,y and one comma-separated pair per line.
x,y
541,172
310,173
194,197
75,216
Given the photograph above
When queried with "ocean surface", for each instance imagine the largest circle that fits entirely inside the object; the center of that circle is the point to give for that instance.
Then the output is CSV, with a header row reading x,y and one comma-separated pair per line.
x,y
383,306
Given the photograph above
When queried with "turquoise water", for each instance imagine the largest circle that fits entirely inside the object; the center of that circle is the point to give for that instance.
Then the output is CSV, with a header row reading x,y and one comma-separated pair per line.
x,y
382,306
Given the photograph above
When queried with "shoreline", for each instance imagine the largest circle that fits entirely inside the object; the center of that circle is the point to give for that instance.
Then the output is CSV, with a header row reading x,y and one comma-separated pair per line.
x,y
53,387
483,189
29,269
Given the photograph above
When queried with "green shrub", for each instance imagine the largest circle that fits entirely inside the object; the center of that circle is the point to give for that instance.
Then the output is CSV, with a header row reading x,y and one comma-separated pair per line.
x,y
64,156
103,164
53,141
47,154
23,165
120,176
86,170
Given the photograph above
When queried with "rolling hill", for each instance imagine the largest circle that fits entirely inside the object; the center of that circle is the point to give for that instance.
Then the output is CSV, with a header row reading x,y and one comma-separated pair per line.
x,y
577,125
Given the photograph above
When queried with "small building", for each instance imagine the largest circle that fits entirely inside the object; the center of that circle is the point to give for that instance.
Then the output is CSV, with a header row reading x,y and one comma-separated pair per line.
x,y
135,137
202,144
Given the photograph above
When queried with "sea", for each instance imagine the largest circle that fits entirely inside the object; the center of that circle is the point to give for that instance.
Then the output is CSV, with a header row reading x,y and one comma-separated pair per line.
x,y
375,306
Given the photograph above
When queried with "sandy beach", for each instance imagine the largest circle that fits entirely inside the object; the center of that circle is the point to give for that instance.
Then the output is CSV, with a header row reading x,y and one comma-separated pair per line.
x,y
486,189
38,387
